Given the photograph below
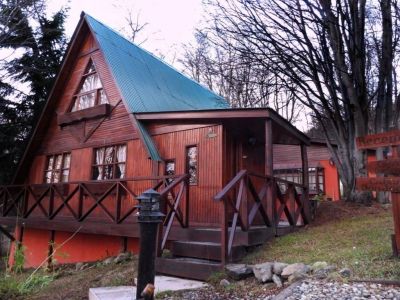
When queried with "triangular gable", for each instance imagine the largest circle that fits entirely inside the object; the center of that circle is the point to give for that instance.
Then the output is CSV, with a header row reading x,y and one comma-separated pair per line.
x,y
146,83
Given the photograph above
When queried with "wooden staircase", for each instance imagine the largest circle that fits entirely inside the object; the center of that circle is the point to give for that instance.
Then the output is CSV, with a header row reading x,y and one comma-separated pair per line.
x,y
200,255
196,253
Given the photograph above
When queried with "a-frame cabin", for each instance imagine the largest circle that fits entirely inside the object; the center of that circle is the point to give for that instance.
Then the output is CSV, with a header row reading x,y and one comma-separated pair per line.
x,y
119,121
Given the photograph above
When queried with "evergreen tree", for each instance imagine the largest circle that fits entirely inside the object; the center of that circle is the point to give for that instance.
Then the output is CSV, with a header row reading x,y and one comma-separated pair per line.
x,y
31,49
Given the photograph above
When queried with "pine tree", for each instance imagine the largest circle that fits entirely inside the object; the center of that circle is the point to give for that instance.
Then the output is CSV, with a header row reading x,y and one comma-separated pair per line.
x,y
33,45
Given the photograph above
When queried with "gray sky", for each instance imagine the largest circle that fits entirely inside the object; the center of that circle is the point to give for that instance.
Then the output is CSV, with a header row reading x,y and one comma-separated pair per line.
x,y
170,22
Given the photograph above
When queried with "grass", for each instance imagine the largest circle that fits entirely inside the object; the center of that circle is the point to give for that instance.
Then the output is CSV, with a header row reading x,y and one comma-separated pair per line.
x,y
361,243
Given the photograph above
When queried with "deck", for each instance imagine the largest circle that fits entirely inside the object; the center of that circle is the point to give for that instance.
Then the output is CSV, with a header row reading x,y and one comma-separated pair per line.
x,y
253,209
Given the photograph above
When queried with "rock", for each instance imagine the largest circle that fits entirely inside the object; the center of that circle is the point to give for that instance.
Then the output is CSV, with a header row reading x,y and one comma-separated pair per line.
x,y
324,272
78,266
108,261
122,257
263,272
278,267
224,282
296,276
345,272
238,271
319,265
298,267
277,280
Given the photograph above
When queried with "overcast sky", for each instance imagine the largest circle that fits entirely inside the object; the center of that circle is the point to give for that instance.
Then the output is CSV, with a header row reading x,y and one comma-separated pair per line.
x,y
170,22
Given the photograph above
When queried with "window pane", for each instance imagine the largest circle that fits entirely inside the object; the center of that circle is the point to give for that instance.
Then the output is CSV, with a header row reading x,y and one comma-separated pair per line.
x,y
108,172
102,97
192,164
90,83
120,171
50,163
121,153
86,101
67,160
109,158
56,176
58,162
48,177
65,175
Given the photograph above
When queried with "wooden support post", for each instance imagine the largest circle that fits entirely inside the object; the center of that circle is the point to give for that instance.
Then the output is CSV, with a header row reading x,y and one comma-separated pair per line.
x,y
224,232
396,211
269,169
305,192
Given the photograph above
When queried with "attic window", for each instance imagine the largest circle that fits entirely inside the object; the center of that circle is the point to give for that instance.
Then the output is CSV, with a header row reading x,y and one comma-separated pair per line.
x,y
91,91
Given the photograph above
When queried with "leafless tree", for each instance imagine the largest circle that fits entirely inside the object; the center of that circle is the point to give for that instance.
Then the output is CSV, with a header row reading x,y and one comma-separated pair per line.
x,y
335,57
236,76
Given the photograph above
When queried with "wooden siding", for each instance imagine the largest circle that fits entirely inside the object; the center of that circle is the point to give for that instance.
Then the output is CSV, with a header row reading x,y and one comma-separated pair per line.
x,y
286,154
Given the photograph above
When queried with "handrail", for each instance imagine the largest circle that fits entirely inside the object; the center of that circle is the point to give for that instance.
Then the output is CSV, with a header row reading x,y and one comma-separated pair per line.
x,y
292,204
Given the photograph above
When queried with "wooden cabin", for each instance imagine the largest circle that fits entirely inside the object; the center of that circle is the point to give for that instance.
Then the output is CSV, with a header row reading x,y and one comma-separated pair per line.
x,y
119,121
323,175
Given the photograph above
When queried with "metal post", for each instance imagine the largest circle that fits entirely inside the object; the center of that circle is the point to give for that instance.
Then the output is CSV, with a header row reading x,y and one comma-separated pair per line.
x,y
149,218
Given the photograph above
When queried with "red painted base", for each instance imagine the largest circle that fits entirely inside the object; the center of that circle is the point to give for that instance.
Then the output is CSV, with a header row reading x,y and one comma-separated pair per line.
x,y
69,247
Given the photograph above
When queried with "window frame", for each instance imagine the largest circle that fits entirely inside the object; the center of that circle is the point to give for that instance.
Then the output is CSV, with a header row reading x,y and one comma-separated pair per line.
x,y
96,91
53,170
114,163
187,163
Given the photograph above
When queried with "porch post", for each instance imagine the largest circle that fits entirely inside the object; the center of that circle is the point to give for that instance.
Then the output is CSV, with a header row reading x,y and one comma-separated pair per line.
x,y
305,195
269,170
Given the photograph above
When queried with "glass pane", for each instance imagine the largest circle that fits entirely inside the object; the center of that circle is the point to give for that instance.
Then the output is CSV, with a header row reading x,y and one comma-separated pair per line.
x,y
121,153
50,163
120,171
192,164
56,177
109,155
102,97
48,177
86,101
96,173
108,172
67,160
91,82
65,175
91,68
58,162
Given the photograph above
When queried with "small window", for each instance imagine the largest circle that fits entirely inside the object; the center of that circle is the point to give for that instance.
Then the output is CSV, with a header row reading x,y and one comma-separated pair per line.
x,y
57,168
191,164
91,91
109,162
169,169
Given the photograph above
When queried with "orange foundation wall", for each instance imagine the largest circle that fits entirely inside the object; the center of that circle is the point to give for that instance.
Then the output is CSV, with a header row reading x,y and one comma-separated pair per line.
x,y
331,180
69,249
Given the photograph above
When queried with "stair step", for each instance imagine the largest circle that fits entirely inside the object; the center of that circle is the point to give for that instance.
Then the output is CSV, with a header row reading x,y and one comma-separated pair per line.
x,y
187,267
205,250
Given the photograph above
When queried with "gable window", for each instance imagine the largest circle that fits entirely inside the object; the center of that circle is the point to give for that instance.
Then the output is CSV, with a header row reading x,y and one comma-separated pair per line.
x,y
57,168
109,162
191,164
91,91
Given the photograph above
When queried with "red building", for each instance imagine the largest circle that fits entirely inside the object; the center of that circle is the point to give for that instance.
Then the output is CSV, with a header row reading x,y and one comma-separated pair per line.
x,y
119,121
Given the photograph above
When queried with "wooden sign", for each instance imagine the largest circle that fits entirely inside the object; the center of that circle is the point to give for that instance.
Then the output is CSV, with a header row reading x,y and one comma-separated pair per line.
x,y
385,139
388,166
390,184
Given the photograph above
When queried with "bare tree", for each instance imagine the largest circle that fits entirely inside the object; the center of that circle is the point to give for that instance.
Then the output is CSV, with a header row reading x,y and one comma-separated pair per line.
x,y
236,76
328,54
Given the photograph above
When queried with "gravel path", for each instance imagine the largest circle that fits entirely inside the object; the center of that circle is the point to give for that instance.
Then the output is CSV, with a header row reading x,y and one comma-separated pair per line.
x,y
307,290
316,290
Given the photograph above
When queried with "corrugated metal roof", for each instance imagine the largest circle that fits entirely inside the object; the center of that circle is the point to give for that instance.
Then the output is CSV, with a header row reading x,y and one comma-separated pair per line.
x,y
148,84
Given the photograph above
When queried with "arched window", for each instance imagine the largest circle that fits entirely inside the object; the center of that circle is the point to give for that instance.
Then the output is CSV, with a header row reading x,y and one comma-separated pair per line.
x,y
91,91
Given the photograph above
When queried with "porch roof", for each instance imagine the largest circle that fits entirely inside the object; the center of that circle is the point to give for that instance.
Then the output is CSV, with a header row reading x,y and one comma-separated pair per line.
x,y
279,122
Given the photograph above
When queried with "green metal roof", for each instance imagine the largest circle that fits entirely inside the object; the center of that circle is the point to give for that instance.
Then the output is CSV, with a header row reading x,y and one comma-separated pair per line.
x,y
148,84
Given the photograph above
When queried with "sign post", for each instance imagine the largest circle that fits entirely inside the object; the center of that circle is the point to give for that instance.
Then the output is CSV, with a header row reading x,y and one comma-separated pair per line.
x,y
390,168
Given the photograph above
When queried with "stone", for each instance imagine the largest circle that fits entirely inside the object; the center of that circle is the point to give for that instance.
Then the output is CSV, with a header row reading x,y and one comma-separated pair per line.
x,y
108,261
324,272
278,267
277,280
124,256
296,276
224,282
319,265
238,271
78,266
297,267
263,272
345,272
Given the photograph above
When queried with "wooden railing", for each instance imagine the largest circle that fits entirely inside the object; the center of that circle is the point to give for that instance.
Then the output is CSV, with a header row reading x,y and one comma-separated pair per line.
x,y
114,201
274,199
